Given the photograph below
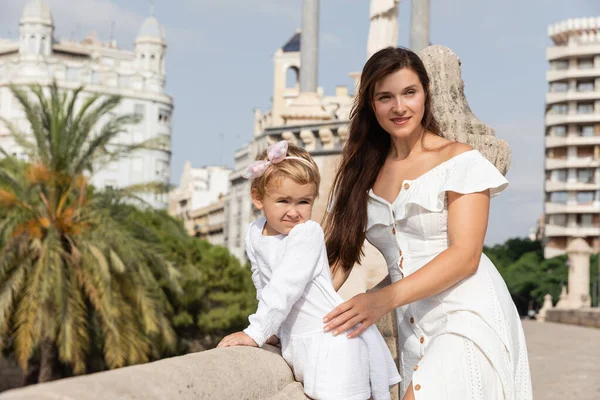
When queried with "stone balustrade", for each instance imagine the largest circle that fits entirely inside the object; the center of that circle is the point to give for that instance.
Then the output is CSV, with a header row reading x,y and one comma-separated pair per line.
x,y
317,138
584,317
220,374
232,373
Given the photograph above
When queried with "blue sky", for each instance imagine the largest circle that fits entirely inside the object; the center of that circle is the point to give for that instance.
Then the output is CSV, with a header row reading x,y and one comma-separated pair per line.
x,y
219,66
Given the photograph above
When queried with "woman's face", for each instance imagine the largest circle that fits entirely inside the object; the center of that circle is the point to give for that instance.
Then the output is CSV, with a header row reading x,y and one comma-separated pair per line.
x,y
399,103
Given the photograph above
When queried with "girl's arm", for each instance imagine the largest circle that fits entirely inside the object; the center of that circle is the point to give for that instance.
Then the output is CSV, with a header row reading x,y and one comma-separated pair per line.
x,y
253,264
303,248
467,224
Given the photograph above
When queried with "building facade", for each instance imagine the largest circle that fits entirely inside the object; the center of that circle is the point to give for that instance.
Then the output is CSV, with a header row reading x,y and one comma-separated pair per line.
x,y
572,141
322,132
198,188
137,75
208,223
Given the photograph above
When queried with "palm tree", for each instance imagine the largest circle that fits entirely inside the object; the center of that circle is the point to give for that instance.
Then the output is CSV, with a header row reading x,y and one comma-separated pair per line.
x,y
71,271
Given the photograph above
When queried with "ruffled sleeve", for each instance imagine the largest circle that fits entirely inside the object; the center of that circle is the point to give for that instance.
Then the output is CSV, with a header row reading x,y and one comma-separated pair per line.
x,y
469,172
298,266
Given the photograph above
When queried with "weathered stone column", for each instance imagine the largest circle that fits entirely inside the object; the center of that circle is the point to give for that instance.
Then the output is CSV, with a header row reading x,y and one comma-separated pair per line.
x,y
419,25
309,46
579,252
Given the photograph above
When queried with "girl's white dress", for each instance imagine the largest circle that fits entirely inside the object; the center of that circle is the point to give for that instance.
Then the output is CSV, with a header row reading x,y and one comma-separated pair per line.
x,y
467,342
294,289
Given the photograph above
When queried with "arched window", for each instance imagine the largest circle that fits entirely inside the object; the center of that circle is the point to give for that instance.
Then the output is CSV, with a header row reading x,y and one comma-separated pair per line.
x,y
32,44
292,77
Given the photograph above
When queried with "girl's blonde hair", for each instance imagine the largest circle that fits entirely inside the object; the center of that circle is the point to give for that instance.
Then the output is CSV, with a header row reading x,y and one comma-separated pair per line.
x,y
300,172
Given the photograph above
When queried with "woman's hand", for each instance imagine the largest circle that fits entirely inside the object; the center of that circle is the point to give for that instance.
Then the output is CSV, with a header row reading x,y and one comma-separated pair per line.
x,y
359,312
237,339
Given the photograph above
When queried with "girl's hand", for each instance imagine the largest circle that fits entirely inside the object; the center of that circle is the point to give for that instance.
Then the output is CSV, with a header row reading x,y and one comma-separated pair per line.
x,y
359,312
273,340
237,339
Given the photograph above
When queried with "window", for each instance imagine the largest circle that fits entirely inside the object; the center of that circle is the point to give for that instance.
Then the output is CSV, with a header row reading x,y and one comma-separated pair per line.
x,y
559,65
559,197
559,175
587,131
72,74
585,63
585,220
164,115
559,130
560,109
96,78
559,87
585,86
585,175
162,169
585,197
124,81
558,219
140,110
585,108
32,48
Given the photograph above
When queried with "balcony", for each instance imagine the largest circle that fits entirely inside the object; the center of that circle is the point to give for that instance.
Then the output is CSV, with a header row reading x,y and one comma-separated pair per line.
x,y
571,208
553,186
571,95
560,141
558,52
584,162
572,118
572,73
557,230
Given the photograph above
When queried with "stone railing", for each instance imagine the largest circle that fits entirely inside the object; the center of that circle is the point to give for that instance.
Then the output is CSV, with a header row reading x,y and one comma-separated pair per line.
x,y
584,317
231,373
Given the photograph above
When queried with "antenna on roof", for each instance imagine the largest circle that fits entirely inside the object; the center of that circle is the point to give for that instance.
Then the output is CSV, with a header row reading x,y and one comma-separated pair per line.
x,y
112,30
111,41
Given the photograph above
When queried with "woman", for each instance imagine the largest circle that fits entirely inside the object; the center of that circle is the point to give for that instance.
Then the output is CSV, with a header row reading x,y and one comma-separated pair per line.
x,y
423,201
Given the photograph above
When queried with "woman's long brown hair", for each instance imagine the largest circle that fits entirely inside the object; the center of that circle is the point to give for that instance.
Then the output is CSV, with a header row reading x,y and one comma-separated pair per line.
x,y
363,157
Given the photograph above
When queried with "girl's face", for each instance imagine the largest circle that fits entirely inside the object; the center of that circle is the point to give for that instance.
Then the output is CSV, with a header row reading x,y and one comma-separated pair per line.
x,y
399,103
286,204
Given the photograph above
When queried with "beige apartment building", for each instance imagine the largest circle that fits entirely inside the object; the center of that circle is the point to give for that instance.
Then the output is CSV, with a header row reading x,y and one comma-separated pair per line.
x,y
572,137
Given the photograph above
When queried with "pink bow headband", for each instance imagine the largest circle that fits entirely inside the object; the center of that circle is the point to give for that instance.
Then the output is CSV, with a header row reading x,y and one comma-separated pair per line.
x,y
276,153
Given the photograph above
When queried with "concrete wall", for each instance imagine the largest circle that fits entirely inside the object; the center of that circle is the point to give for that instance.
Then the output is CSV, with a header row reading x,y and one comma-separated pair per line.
x,y
584,317
232,373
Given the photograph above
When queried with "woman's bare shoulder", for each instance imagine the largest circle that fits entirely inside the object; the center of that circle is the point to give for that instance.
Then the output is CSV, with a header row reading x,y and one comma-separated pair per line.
x,y
447,148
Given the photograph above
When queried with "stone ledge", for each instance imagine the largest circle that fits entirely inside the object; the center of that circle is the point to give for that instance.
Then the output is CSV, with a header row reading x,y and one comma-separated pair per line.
x,y
231,373
583,317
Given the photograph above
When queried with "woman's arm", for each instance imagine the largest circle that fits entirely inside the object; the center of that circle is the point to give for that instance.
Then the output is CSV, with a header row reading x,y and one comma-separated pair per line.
x,y
467,224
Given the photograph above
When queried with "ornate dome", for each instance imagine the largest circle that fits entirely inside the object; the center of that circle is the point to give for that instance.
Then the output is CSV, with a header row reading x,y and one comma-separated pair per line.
x,y
37,11
151,27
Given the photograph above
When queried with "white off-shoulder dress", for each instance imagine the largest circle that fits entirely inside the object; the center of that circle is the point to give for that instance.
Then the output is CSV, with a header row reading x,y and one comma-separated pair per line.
x,y
466,343
295,291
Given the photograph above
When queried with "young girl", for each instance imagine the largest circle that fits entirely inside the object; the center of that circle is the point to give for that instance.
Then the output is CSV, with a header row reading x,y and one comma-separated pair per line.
x,y
293,284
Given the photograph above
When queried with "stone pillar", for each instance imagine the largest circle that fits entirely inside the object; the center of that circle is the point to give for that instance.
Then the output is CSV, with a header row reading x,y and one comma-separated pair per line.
x,y
419,25
309,46
579,252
